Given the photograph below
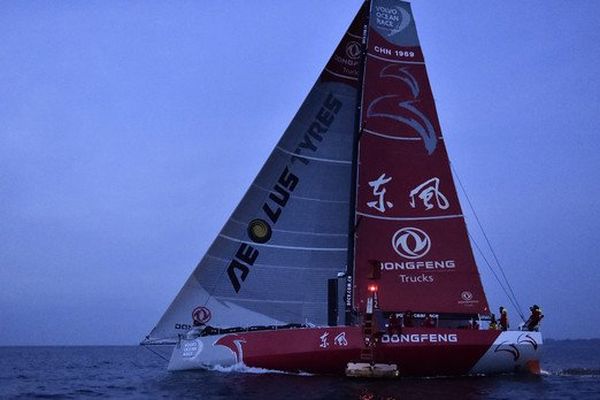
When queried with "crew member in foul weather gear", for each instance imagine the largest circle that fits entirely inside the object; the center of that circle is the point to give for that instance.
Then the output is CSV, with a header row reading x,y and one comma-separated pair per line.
x,y
493,323
394,325
429,321
503,319
533,323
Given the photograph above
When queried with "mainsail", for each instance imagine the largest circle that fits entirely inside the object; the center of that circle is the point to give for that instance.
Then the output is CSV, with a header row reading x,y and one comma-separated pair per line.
x,y
271,262
409,223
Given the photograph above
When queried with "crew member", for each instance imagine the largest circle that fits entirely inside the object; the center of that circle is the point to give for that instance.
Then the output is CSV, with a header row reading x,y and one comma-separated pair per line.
x,y
504,319
429,321
394,325
493,323
533,323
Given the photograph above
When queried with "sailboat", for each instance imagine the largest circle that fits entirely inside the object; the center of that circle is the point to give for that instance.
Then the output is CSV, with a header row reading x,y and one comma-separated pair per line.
x,y
349,253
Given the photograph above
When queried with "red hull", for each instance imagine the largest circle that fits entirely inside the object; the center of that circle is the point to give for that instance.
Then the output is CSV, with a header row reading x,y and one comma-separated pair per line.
x,y
328,350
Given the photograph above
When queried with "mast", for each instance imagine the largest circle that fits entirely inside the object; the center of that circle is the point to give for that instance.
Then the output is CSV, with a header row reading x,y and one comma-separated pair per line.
x,y
352,217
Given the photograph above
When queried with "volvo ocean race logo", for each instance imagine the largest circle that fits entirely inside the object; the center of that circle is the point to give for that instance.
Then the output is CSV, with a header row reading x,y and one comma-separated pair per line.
x,y
411,243
393,20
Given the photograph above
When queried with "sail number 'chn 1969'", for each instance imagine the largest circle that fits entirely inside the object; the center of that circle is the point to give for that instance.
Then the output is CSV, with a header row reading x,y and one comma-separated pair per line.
x,y
278,198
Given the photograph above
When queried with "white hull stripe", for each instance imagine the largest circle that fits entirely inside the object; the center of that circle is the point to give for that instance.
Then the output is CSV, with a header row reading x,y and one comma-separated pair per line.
x,y
409,218
410,138
394,61
286,247
313,158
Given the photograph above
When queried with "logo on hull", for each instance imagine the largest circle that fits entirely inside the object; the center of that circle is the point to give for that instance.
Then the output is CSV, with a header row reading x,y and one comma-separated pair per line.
x,y
201,315
233,343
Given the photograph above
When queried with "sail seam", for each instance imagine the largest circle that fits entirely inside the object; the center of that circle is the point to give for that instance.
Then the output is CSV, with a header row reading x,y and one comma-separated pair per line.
x,y
287,247
351,78
304,198
295,232
396,61
269,301
273,266
313,158
417,139
409,218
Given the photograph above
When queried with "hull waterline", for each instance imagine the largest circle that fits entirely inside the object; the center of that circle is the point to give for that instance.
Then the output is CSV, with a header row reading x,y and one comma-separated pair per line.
x,y
328,350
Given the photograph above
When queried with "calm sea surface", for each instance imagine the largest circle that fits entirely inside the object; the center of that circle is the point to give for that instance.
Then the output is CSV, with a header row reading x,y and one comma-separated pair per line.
x,y
573,372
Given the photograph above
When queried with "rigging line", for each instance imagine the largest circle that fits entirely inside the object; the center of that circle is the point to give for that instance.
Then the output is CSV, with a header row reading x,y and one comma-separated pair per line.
x,y
155,352
496,276
488,241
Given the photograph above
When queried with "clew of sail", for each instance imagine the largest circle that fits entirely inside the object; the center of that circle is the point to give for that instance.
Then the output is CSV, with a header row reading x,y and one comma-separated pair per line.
x,y
271,261
409,222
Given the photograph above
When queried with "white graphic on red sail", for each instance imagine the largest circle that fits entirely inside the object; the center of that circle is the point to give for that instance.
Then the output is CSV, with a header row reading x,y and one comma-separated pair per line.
x,y
397,108
428,191
398,72
380,204
411,243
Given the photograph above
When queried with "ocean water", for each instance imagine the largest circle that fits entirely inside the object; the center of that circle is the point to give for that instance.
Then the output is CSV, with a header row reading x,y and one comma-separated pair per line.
x,y
131,372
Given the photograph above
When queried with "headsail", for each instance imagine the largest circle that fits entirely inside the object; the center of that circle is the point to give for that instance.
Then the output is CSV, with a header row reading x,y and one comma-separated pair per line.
x,y
408,219
289,234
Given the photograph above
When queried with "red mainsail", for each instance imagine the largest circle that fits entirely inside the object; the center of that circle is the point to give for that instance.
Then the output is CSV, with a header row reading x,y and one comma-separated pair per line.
x,y
409,222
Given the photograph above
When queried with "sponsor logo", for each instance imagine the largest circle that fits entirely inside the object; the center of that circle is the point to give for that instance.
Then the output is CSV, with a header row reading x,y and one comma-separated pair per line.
x,y
201,315
527,338
191,349
324,340
428,191
379,191
417,265
508,348
183,327
233,343
246,255
513,349
338,340
353,50
420,338
416,279
467,298
411,243
392,20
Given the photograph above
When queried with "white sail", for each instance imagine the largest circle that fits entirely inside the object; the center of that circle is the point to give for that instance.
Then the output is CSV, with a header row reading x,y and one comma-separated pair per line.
x,y
300,205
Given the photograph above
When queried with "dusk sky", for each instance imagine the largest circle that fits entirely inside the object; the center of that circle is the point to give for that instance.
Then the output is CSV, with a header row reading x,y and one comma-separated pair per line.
x,y
129,131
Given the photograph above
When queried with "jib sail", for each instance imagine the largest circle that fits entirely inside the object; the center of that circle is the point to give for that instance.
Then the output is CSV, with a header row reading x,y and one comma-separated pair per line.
x,y
409,223
271,262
